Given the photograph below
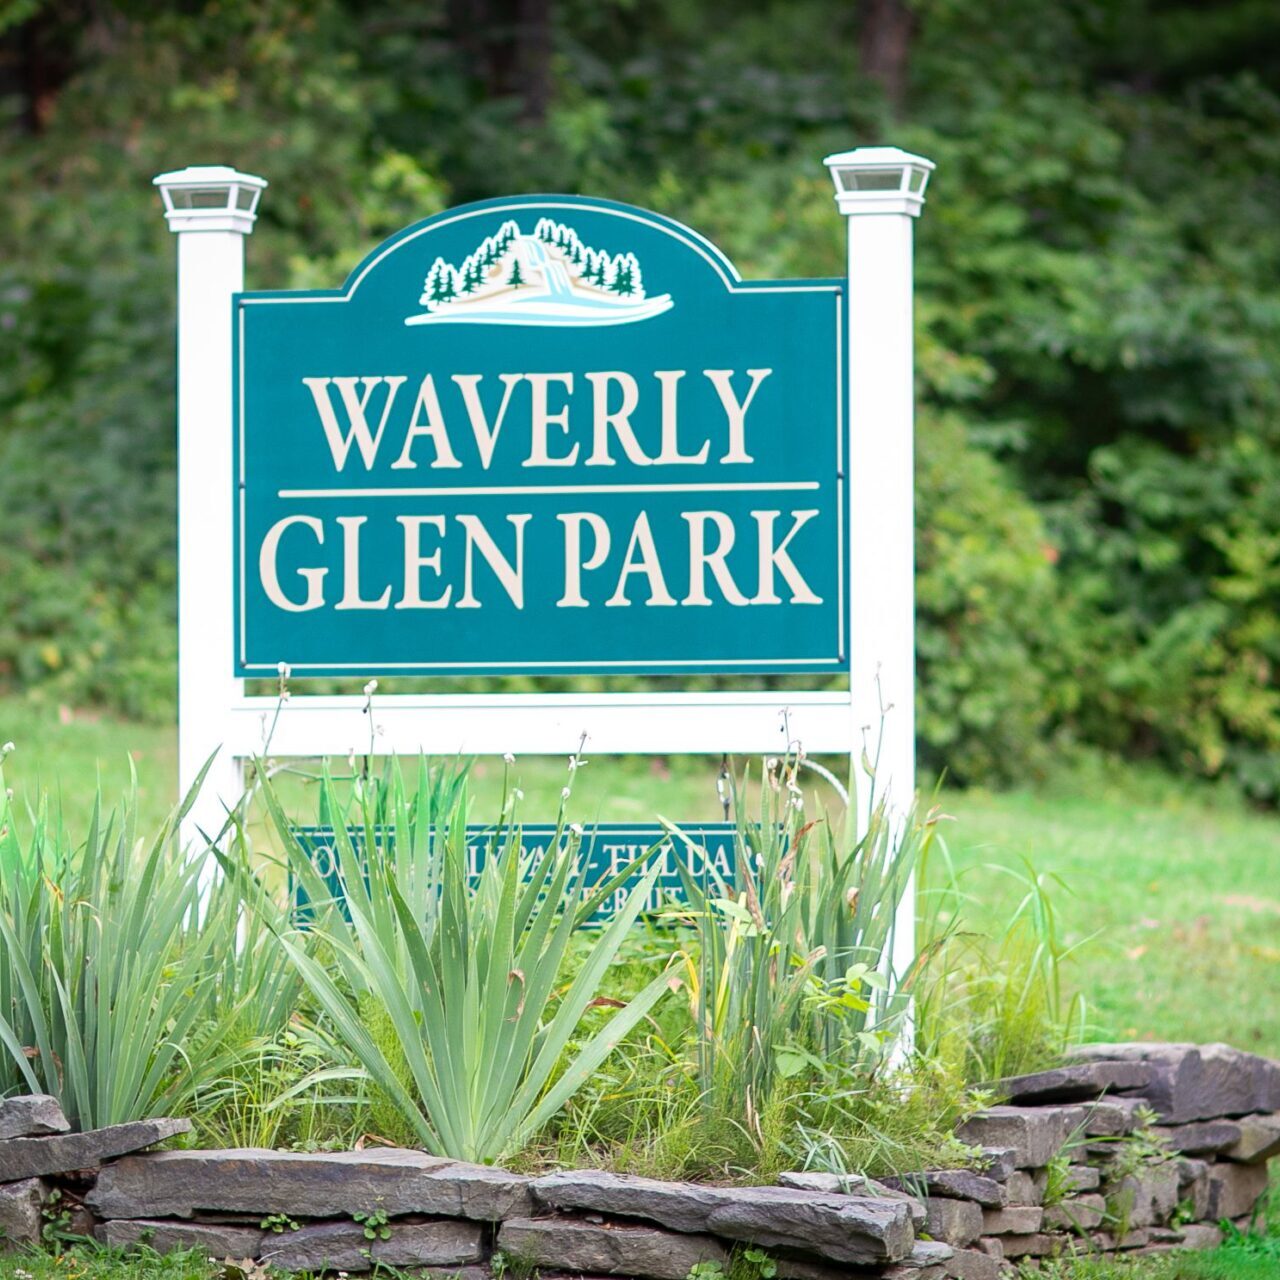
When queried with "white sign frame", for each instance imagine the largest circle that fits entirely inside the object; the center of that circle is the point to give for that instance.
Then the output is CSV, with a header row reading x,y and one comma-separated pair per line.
x,y
880,191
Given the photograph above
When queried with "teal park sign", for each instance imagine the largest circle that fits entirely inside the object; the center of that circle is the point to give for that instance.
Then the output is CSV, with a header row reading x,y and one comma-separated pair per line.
x,y
541,435
705,850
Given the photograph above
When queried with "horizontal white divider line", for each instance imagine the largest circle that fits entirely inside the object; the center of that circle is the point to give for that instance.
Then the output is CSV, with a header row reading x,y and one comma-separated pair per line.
x,y
516,489
750,722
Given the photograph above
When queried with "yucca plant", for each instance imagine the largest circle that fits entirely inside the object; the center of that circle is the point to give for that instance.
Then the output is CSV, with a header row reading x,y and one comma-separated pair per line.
x,y
482,1040
792,945
117,986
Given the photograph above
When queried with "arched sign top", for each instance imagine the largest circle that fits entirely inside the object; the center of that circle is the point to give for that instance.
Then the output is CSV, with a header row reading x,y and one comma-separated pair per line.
x,y
587,236
542,434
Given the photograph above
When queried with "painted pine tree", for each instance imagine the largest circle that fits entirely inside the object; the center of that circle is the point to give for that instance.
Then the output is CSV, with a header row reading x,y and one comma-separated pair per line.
x,y
431,287
516,277
637,281
620,277
448,287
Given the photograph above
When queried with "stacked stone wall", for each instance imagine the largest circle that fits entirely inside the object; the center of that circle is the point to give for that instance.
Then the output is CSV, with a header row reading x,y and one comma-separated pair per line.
x,y
1129,1148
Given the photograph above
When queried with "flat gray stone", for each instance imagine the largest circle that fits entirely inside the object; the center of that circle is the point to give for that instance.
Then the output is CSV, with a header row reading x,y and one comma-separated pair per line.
x,y
1076,1213
178,1184
854,1229
791,1267
64,1153
795,1268
973,1264
1112,1117
1076,1178
607,1248
1193,1186
1259,1139
1234,1189
1083,1177
956,1222
20,1221
1073,1083
1025,1188
1148,1198
958,1184
853,1184
215,1240
342,1246
1036,1134
1014,1219
997,1162
1201,1235
1108,1241
927,1253
1200,1137
1038,1244
1198,1082
31,1116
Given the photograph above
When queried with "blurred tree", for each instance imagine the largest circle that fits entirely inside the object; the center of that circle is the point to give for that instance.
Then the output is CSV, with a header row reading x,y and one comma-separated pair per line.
x,y
1099,269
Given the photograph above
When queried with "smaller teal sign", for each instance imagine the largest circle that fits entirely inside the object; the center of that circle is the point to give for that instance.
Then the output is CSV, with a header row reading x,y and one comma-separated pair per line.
x,y
605,851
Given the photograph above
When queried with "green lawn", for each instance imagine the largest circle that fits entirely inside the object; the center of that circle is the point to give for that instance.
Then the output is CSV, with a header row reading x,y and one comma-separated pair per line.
x,y
1173,889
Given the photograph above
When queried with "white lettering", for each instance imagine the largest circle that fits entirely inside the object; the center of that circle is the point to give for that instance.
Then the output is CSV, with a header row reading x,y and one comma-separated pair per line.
x,y
486,436
351,568
619,419
511,577
670,454
574,564
700,560
268,570
777,556
415,562
540,419
735,410
358,430
648,565
428,402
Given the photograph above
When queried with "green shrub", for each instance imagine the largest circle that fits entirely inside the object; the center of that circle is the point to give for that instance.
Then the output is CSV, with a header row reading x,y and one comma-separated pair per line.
x,y
993,620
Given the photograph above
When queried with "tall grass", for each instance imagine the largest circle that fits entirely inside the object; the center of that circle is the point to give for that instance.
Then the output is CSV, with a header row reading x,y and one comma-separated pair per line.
x,y
121,992
786,976
995,1006
482,1039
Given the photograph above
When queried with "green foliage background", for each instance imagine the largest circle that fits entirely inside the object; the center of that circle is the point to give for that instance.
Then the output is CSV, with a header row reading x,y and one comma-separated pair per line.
x,y
1098,319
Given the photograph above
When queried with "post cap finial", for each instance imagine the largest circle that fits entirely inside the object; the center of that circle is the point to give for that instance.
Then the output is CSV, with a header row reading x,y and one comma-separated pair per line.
x,y
210,197
879,180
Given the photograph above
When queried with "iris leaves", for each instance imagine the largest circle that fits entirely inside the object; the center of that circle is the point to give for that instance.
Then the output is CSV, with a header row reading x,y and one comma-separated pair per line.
x,y
470,964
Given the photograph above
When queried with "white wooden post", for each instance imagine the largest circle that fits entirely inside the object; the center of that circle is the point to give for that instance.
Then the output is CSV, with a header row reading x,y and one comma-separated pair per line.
x,y
880,190
210,208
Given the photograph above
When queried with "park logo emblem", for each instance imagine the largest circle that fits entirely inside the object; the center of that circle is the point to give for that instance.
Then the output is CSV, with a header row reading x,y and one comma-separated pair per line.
x,y
547,278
